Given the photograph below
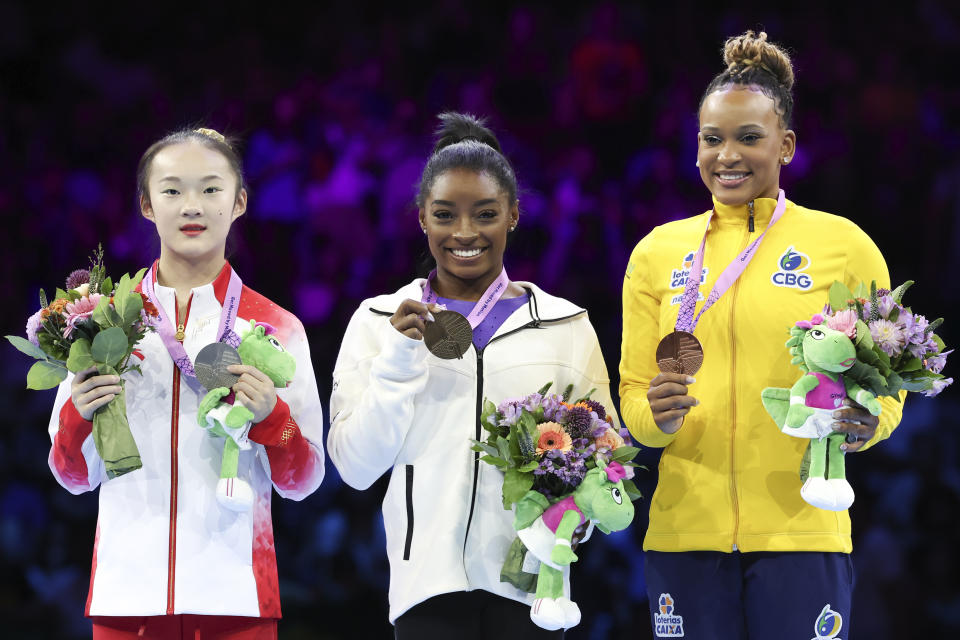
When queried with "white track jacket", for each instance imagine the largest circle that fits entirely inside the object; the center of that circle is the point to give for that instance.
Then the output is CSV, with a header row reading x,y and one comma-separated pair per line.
x,y
163,544
395,405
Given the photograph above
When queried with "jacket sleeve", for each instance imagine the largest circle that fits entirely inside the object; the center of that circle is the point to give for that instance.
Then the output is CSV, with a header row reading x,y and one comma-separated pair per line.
x,y
641,328
378,373
865,263
292,435
73,456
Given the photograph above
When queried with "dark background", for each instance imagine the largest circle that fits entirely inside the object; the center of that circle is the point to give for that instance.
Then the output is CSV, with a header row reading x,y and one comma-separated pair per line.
x,y
594,104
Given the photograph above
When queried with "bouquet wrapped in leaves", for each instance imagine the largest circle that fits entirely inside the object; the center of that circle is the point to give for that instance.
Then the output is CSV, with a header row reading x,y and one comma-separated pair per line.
x,y
547,443
897,349
92,322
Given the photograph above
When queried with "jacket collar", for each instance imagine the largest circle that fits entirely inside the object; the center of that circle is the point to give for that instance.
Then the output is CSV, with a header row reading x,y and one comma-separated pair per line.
x,y
205,300
727,215
541,307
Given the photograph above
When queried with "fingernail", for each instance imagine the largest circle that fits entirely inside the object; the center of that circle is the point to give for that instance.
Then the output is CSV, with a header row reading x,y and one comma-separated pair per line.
x,y
837,414
843,447
691,379
430,316
696,402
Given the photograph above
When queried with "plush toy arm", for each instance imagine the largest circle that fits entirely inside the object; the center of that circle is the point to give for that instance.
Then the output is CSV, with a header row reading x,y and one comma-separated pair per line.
x,y
529,508
210,402
863,397
798,411
562,553
239,415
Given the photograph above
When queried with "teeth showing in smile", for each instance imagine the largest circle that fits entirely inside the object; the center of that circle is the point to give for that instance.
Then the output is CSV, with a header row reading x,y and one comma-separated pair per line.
x,y
731,177
466,253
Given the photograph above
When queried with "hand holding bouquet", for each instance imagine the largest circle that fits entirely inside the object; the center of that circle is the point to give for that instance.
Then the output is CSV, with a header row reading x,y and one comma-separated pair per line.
x,y
92,323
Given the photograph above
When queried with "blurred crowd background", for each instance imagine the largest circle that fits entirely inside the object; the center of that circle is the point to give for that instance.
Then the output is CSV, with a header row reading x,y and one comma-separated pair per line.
x,y
595,104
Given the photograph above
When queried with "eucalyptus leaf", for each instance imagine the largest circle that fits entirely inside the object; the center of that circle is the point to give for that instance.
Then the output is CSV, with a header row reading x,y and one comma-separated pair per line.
x,y
80,357
632,492
897,293
530,466
137,277
131,308
45,375
109,347
25,346
515,485
622,454
106,287
499,462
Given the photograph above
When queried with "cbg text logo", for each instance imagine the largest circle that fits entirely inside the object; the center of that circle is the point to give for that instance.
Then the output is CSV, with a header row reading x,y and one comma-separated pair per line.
x,y
789,271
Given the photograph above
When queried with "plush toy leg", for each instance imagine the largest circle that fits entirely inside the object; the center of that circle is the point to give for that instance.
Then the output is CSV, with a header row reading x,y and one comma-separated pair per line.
x,y
546,611
816,490
836,473
232,492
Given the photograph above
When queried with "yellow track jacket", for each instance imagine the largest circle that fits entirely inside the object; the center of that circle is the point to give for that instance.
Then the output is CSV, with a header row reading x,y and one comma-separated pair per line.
x,y
729,479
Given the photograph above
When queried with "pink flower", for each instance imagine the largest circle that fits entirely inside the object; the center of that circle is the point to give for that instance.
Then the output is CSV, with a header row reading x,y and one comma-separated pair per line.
x,y
845,321
33,326
610,439
79,310
811,323
552,436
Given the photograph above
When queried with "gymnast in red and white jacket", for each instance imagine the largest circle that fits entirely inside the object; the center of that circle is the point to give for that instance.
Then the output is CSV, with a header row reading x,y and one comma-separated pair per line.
x,y
163,545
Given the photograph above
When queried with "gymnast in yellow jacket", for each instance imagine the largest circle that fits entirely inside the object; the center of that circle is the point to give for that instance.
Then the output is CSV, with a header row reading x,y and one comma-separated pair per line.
x,y
733,551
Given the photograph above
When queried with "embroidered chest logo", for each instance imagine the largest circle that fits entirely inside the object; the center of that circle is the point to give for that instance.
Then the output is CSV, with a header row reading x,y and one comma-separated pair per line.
x,y
828,625
666,624
790,271
679,277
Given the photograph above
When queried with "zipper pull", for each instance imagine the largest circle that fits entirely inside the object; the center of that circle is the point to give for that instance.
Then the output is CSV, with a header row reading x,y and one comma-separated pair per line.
x,y
750,207
180,335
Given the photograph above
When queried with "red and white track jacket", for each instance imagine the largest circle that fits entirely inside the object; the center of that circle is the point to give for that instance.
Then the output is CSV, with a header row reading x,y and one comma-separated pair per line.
x,y
163,544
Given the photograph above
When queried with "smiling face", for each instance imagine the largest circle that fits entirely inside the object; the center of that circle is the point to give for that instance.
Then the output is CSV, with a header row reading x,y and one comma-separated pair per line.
x,y
466,217
192,199
741,145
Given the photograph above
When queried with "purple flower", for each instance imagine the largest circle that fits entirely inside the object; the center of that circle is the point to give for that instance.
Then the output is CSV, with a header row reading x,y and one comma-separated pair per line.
x,y
77,278
938,362
597,407
938,386
579,421
886,306
33,326
510,411
888,335
553,409
532,402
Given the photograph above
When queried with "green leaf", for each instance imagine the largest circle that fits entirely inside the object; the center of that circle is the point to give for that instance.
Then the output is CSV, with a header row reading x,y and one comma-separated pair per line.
x,y
104,315
864,338
933,325
543,390
106,287
530,466
897,293
911,364
137,277
497,462
939,342
25,346
132,305
80,357
894,314
567,392
61,294
862,291
585,397
632,492
503,448
515,485
625,453
839,294
109,347
45,375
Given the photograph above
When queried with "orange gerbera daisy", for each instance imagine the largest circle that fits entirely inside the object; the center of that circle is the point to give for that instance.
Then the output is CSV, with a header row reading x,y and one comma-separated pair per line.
x,y
552,436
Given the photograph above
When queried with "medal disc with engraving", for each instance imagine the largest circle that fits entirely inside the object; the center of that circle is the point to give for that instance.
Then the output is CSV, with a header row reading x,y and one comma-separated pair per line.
x,y
449,335
211,366
679,352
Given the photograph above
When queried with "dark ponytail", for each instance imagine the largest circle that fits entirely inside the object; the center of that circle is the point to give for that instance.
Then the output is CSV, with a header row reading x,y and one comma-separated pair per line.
x,y
464,142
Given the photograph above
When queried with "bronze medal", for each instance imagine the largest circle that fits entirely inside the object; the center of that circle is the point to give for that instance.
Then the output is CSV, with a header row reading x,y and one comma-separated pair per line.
x,y
211,365
679,352
449,335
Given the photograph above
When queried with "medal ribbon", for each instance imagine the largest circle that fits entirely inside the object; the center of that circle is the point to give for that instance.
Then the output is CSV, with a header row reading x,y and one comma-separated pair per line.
x,y
484,305
166,328
685,320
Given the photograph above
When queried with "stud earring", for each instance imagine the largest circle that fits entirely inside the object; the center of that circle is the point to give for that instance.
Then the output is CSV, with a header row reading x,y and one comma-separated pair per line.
x,y
786,160
512,227
697,164
424,229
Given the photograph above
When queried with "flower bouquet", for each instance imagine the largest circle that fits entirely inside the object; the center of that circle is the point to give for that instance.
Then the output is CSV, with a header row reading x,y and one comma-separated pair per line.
x,y
897,349
93,322
566,469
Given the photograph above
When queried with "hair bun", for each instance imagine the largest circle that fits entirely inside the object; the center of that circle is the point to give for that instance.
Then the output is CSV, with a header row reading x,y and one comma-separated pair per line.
x,y
742,52
212,133
456,127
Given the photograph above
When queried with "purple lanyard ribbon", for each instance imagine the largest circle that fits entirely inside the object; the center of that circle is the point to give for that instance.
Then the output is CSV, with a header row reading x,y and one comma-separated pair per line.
x,y
166,328
685,320
484,305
